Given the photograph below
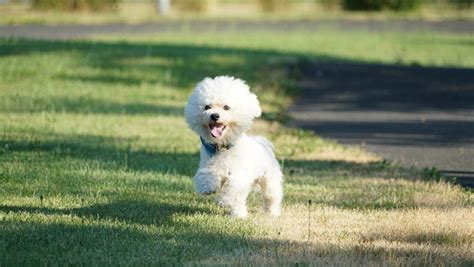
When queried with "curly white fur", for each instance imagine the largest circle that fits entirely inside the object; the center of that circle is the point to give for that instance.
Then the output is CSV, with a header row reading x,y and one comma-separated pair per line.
x,y
241,162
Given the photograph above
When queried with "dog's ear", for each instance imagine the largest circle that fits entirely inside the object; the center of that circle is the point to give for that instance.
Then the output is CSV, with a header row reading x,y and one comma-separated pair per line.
x,y
255,106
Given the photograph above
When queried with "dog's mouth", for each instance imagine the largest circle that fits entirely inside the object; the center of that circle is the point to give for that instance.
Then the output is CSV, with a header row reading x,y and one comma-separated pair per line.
x,y
217,129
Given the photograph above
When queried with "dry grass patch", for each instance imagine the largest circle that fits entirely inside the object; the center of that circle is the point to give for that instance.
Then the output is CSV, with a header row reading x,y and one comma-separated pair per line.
x,y
341,236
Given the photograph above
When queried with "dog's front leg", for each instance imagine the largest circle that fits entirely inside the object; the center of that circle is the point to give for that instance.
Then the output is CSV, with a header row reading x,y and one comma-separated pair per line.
x,y
205,182
234,194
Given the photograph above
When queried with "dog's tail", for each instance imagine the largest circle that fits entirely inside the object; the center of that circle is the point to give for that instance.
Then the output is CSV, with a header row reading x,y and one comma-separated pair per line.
x,y
266,144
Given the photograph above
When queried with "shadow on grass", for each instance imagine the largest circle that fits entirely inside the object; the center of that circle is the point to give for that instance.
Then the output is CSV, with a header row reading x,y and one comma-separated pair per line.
x,y
92,240
348,184
136,63
129,211
360,186
341,168
431,238
121,64
171,65
364,87
85,105
169,241
111,153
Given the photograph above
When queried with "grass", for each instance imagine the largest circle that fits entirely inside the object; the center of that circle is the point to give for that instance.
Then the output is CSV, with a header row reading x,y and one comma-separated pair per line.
x,y
96,160
18,13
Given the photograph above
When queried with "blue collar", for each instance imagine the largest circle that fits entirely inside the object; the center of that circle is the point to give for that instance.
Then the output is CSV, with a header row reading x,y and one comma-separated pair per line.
x,y
212,149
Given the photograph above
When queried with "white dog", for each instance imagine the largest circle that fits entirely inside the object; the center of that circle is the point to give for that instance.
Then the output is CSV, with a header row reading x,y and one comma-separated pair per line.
x,y
220,111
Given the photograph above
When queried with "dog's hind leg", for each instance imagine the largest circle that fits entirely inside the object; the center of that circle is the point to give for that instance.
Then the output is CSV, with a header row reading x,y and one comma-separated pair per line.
x,y
272,193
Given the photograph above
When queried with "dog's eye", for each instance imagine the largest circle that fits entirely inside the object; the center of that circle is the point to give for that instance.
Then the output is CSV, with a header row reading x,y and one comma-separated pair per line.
x,y
226,107
207,107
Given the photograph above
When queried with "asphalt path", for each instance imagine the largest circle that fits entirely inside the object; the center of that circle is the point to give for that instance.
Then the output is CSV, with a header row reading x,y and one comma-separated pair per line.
x,y
81,31
415,116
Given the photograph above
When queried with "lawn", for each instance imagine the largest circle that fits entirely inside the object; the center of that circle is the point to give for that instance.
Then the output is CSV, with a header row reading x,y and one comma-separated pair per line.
x,y
96,159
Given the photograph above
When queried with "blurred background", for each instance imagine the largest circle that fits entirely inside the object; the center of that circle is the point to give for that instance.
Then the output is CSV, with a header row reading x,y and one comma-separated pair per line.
x,y
136,11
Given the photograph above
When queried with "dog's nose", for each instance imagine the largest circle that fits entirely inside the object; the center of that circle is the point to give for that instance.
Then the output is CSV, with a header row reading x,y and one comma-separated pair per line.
x,y
214,116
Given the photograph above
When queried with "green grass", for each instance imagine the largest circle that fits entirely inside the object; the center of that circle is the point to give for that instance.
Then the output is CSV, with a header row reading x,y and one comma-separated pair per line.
x,y
96,159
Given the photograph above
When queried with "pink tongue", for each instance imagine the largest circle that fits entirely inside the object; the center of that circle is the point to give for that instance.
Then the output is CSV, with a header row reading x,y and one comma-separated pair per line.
x,y
216,131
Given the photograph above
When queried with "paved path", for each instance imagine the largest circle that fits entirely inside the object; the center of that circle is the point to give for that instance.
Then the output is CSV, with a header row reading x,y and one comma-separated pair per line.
x,y
79,31
413,115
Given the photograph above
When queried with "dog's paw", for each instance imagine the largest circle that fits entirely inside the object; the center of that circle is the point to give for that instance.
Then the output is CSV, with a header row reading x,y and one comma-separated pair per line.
x,y
239,213
275,212
207,192
205,183
204,189
223,202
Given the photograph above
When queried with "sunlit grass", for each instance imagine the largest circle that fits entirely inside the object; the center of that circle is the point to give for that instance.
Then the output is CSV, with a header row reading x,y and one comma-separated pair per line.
x,y
96,159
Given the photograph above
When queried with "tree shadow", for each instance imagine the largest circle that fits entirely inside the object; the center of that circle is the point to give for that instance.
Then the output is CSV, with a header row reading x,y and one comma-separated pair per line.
x,y
178,242
111,153
464,178
124,64
388,104
22,104
412,133
420,238
82,244
130,211
358,186
410,114
149,62
334,168
166,240
350,182
377,87
83,241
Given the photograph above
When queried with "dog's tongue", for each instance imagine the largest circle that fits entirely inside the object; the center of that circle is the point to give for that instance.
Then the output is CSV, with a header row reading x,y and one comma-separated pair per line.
x,y
216,131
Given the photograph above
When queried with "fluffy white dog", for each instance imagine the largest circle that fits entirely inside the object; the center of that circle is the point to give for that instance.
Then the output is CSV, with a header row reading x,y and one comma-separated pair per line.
x,y
220,111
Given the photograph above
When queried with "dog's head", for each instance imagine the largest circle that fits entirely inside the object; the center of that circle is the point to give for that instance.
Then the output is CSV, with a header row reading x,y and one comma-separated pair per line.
x,y
221,109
